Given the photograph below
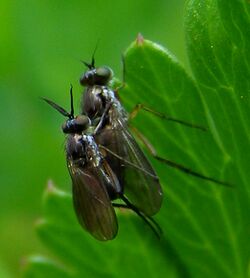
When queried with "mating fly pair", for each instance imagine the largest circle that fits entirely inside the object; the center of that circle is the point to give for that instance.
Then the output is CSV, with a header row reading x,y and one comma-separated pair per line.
x,y
106,163
96,183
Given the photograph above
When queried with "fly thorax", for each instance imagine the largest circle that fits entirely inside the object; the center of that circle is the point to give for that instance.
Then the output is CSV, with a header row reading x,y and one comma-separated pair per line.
x,y
92,151
105,93
120,111
92,104
97,90
108,95
118,116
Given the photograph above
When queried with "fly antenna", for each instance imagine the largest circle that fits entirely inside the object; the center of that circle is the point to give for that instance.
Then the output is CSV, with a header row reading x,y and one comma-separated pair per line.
x,y
93,55
92,64
71,102
87,64
57,107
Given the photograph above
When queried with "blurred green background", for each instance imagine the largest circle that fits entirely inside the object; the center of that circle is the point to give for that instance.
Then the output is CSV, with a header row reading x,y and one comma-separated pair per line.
x,y
41,45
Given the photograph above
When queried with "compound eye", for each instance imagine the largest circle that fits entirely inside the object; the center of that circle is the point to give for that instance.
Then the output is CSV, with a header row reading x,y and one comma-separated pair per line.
x,y
87,78
103,75
65,127
104,72
82,122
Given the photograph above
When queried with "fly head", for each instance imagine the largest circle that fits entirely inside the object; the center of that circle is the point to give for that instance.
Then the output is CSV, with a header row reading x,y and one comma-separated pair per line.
x,y
96,76
77,125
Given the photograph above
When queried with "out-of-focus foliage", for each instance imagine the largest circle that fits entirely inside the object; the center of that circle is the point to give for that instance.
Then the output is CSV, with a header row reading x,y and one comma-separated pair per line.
x,y
41,45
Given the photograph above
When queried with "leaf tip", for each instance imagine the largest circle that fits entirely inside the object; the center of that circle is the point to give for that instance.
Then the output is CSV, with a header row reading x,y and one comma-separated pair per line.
x,y
51,189
50,186
139,39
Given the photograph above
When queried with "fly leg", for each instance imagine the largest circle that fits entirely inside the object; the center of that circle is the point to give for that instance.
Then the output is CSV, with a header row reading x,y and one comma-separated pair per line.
x,y
173,164
123,83
140,107
147,219
100,123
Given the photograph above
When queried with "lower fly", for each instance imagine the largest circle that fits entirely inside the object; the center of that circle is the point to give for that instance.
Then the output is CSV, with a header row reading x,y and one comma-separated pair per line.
x,y
94,183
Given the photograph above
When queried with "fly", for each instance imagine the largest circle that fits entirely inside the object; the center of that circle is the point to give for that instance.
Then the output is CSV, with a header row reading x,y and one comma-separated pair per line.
x,y
94,184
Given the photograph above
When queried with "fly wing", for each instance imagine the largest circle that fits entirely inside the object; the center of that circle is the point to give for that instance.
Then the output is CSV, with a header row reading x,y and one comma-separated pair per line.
x,y
143,190
91,202
110,138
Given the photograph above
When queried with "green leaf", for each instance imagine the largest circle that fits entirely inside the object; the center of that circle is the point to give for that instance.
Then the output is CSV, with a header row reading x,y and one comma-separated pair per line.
x,y
38,266
218,36
135,250
206,225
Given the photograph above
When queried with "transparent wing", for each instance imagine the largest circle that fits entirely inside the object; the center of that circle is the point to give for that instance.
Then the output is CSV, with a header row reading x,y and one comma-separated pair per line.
x,y
91,202
141,189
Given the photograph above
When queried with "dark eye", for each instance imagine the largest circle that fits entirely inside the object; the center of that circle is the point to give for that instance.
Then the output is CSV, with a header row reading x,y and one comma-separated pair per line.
x,y
103,75
88,78
65,128
104,72
82,122
77,125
